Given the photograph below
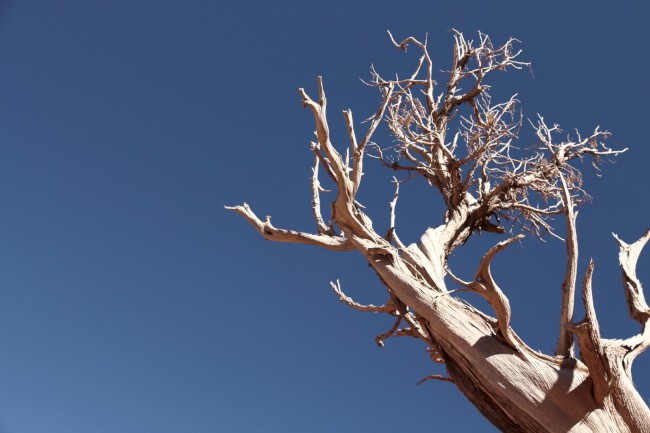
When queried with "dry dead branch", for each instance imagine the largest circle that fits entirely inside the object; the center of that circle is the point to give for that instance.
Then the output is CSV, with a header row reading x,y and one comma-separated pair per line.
x,y
466,146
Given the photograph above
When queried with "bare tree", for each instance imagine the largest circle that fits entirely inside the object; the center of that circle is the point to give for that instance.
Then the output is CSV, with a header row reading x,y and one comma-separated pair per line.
x,y
463,144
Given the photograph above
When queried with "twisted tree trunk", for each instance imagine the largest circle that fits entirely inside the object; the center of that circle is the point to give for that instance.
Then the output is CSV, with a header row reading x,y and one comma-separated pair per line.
x,y
513,386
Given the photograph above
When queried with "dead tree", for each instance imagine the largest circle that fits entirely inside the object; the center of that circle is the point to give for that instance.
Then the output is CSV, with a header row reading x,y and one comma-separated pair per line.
x,y
461,142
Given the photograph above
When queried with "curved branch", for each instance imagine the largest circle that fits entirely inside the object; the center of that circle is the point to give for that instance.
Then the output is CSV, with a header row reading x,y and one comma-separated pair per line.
x,y
485,285
637,305
590,343
436,377
388,308
380,338
628,256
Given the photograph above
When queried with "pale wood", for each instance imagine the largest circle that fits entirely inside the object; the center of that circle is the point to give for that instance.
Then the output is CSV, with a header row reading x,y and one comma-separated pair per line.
x,y
513,386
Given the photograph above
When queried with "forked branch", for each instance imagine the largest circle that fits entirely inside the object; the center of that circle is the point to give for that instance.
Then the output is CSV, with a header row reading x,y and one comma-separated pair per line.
x,y
628,256
637,305
609,361
269,232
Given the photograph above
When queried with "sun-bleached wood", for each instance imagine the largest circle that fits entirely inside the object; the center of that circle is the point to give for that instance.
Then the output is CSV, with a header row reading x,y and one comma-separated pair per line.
x,y
461,143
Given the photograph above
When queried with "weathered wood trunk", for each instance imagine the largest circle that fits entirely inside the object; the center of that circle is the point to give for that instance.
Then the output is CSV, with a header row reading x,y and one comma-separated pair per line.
x,y
514,387
517,389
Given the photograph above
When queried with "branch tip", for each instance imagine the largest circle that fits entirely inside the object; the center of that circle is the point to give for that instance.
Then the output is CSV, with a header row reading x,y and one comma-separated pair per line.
x,y
628,258
435,377
388,308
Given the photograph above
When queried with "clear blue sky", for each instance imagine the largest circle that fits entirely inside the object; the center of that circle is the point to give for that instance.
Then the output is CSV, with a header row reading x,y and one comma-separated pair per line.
x,y
131,302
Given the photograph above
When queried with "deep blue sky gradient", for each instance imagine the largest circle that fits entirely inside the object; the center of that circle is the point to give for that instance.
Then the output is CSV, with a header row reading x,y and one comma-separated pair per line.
x,y
132,302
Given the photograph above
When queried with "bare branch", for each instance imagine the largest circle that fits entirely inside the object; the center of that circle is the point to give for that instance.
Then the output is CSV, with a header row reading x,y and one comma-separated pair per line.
x,y
380,338
628,256
417,327
347,114
436,377
456,279
565,342
271,233
637,305
393,205
406,332
404,44
322,132
517,185
357,167
315,147
589,341
609,361
315,202
388,308
391,236
485,285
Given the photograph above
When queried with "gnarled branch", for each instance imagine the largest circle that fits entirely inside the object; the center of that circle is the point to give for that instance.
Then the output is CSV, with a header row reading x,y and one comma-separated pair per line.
x,y
637,305
485,285
271,233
